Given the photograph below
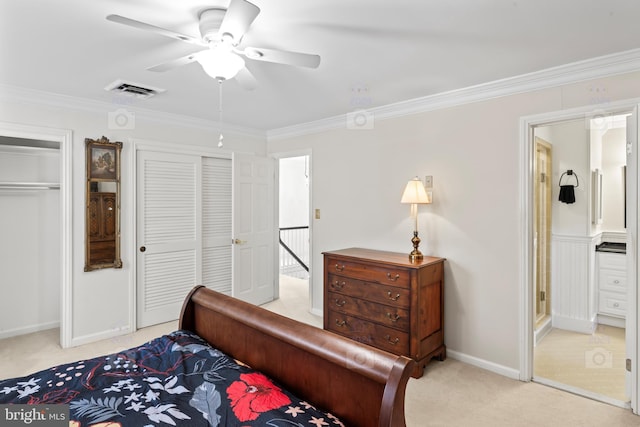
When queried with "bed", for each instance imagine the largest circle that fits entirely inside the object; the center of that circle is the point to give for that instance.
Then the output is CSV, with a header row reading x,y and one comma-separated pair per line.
x,y
229,363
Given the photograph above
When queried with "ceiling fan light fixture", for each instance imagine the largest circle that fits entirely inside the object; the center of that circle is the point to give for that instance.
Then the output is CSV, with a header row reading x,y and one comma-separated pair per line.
x,y
253,53
220,63
227,38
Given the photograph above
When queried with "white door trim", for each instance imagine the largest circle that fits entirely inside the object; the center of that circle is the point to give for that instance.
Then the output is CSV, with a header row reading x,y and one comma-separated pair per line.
x,y
526,225
65,138
631,322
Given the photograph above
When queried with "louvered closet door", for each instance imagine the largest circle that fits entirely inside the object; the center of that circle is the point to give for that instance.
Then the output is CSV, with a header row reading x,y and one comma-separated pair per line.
x,y
216,224
168,238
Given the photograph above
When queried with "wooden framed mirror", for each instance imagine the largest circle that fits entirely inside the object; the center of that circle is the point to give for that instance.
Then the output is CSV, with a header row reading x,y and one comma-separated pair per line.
x,y
102,207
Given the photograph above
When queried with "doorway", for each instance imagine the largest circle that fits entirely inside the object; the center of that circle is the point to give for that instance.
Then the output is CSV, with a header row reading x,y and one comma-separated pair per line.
x,y
294,241
60,141
572,331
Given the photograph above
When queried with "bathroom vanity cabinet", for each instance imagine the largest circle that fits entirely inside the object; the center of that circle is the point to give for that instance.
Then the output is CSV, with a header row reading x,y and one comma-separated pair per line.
x,y
612,284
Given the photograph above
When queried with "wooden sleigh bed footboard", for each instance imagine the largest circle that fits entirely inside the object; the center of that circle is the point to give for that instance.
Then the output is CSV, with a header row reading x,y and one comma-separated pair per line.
x,y
360,384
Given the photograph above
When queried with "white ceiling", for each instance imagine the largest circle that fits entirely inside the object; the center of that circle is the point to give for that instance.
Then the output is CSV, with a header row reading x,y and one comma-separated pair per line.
x,y
374,52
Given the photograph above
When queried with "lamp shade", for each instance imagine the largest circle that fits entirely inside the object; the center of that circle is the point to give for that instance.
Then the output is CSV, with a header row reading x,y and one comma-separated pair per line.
x,y
414,192
220,63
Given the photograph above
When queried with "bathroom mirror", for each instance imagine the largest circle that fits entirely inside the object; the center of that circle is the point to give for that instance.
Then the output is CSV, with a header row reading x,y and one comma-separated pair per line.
x,y
102,204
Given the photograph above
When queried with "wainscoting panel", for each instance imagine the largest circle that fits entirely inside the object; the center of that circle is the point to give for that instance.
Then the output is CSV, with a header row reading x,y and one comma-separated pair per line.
x,y
572,283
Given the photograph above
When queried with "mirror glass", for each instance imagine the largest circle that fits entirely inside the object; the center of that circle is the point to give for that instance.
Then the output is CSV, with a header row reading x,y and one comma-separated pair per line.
x,y
102,209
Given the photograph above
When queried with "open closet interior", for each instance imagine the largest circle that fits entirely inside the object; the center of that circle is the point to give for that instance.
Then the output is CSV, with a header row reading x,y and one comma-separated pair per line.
x,y
30,230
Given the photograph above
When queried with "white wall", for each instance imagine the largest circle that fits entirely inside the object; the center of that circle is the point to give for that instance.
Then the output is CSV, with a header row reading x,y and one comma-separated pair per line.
x,y
294,191
570,151
473,153
613,160
102,301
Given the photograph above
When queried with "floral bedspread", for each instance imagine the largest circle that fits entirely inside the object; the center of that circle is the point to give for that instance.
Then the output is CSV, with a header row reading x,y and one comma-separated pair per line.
x,y
176,379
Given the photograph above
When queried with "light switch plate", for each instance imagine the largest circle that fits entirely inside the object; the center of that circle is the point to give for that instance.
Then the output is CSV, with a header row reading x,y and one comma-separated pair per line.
x,y
428,181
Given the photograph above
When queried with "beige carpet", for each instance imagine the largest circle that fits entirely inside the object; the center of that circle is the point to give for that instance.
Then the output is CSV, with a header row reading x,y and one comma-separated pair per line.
x,y
450,394
595,363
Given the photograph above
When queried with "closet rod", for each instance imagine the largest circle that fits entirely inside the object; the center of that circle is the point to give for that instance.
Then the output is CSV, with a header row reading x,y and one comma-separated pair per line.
x,y
29,185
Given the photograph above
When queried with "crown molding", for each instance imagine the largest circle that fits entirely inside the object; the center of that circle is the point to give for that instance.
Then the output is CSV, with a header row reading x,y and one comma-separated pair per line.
x,y
603,66
28,96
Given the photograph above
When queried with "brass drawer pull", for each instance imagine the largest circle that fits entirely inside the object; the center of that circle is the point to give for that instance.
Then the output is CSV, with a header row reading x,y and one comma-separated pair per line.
x,y
338,285
392,342
393,317
394,278
339,267
392,297
341,323
340,303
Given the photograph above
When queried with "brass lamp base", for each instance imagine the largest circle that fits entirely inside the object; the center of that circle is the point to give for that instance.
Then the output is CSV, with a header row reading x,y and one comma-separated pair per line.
x,y
415,254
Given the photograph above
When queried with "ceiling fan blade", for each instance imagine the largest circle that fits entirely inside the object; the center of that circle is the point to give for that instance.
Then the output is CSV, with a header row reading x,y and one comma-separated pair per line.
x,y
282,57
239,17
158,30
246,79
166,66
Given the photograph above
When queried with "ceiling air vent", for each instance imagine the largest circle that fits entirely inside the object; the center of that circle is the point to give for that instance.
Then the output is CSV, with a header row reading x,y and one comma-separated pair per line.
x,y
135,90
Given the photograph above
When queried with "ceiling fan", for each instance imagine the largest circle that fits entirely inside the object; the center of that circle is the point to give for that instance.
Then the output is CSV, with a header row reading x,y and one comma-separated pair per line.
x,y
221,32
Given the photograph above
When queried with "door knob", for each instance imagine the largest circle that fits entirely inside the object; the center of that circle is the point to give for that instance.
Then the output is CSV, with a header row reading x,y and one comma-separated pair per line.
x,y
239,242
142,249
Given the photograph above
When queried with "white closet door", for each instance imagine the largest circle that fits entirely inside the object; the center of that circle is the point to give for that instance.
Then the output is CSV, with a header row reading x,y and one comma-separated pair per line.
x,y
216,224
168,253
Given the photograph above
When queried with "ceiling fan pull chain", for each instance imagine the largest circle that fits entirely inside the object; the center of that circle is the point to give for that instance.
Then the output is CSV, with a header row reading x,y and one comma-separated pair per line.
x,y
221,139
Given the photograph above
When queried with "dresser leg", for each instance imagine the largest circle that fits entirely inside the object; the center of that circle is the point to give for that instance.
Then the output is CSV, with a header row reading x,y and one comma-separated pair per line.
x,y
442,354
418,370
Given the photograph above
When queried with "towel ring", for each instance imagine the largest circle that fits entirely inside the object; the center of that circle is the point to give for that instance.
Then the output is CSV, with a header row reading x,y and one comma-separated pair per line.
x,y
570,173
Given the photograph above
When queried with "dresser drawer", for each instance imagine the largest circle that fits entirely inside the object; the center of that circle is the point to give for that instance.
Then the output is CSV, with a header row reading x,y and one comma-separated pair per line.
x,y
390,316
370,333
384,294
613,280
612,261
612,303
380,273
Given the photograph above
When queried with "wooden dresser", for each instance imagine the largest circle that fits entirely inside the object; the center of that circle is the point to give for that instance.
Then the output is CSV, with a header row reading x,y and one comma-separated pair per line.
x,y
384,300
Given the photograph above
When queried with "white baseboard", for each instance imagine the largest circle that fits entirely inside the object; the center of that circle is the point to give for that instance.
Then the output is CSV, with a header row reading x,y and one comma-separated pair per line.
x,y
104,335
29,329
485,364
540,333
575,325
617,322
317,312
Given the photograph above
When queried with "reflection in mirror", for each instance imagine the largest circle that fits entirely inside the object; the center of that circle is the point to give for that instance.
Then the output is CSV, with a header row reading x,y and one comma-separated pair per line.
x,y
102,216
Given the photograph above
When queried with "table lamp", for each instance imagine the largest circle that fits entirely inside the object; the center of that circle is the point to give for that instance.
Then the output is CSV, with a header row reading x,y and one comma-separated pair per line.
x,y
415,193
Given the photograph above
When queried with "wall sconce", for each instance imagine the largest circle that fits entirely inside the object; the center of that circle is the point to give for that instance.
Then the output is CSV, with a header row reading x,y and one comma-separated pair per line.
x,y
415,193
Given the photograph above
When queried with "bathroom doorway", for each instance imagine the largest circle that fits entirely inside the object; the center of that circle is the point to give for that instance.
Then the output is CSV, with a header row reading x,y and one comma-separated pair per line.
x,y
579,297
